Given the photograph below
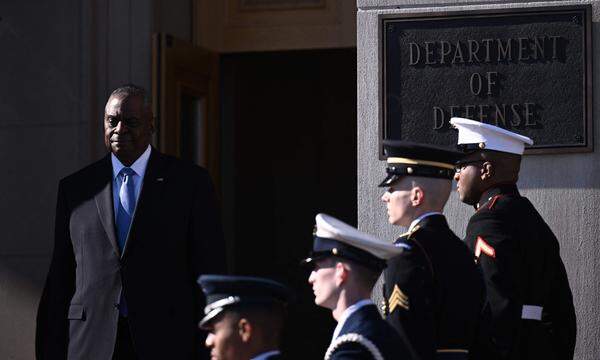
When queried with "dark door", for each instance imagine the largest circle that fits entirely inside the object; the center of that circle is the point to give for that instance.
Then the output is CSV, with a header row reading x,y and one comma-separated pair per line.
x,y
288,152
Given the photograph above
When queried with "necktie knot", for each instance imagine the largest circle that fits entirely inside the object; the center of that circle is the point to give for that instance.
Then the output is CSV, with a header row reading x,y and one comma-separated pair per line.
x,y
126,173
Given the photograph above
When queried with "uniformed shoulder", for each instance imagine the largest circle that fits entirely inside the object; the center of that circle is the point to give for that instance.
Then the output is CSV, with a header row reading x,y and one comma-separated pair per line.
x,y
502,204
411,253
353,346
351,350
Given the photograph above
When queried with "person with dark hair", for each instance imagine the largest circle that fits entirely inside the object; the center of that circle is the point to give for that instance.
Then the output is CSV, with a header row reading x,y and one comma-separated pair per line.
x,y
244,316
529,312
433,292
346,263
133,231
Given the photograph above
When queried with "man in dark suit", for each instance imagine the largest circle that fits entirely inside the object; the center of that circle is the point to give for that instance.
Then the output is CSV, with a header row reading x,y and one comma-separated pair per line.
x,y
433,291
529,311
133,232
244,316
346,264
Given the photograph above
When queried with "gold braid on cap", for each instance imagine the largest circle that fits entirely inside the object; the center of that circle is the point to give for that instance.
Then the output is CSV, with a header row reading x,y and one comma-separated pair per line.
x,y
399,160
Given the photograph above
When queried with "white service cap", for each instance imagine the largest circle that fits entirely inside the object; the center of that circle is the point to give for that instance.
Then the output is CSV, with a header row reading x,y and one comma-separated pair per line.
x,y
477,135
329,227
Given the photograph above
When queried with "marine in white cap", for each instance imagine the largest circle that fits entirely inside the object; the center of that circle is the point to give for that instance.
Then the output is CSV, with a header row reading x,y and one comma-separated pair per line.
x,y
433,292
529,311
346,263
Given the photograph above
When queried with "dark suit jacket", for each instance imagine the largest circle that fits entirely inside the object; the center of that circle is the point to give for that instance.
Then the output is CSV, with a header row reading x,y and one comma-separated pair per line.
x,y
367,322
175,236
434,292
520,260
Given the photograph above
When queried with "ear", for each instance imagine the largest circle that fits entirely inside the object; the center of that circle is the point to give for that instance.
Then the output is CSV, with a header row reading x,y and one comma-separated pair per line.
x,y
417,196
487,170
245,329
341,273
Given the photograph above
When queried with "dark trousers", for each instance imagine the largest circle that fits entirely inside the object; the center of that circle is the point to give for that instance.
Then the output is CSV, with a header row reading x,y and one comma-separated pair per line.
x,y
124,344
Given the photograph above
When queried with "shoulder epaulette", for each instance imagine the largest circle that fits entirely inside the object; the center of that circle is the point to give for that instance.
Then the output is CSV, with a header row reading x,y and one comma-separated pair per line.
x,y
413,231
400,242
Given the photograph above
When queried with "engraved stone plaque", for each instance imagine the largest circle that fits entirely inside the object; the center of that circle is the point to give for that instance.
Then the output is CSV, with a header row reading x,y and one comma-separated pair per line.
x,y
526,70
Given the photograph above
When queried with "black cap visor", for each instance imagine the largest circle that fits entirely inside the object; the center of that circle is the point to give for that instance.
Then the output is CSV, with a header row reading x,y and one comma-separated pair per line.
x,y
326,247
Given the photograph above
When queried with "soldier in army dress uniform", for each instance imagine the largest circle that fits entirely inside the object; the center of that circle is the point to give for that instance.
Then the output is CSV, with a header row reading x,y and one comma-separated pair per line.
x,y
346,263
433,291
529,311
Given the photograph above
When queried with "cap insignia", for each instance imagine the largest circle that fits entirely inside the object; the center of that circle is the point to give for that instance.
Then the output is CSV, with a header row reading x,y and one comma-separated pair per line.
x,y
334,251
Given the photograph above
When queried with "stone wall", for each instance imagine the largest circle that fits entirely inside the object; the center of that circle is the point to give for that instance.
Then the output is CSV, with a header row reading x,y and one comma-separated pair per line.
x,y
565,188
59,62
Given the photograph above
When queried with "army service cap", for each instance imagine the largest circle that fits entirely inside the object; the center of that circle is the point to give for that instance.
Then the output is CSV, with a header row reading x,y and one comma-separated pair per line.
x,y
406,158
476,136
335,238
224,291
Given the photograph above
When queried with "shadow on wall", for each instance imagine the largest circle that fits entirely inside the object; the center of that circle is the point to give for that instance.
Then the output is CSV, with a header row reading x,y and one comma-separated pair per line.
x,y
21,283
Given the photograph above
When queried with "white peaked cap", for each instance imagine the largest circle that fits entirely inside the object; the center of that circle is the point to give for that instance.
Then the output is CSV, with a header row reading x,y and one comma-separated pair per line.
x,y
332,228
489,137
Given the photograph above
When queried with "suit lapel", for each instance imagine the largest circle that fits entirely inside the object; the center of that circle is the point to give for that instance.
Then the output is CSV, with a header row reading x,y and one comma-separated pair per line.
x,y
150,196
104,203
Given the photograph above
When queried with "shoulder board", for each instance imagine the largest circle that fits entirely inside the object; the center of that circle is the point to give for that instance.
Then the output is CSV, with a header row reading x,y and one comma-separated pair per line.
x,y
354,338
403,245
401,241
414,230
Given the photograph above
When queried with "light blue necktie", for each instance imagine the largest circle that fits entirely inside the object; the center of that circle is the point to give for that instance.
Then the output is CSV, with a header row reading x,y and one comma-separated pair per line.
x,y
124,216
126,205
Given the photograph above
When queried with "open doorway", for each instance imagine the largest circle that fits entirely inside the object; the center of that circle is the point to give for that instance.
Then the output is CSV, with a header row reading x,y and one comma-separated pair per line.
x,y
288,152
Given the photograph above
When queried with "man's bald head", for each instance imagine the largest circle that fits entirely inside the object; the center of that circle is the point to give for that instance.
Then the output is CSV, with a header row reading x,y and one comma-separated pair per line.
x,y
437,191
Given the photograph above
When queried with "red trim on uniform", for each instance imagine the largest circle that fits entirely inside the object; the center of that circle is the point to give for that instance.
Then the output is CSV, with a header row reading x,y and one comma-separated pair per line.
x,y
493,201
481,246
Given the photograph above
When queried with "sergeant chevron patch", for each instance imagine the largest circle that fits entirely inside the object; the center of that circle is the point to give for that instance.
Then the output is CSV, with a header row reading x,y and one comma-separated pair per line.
x,y
398,298
481,246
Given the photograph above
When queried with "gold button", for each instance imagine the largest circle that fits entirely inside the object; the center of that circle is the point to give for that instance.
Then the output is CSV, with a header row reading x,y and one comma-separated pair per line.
x,y
334,251
482,145
409,170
